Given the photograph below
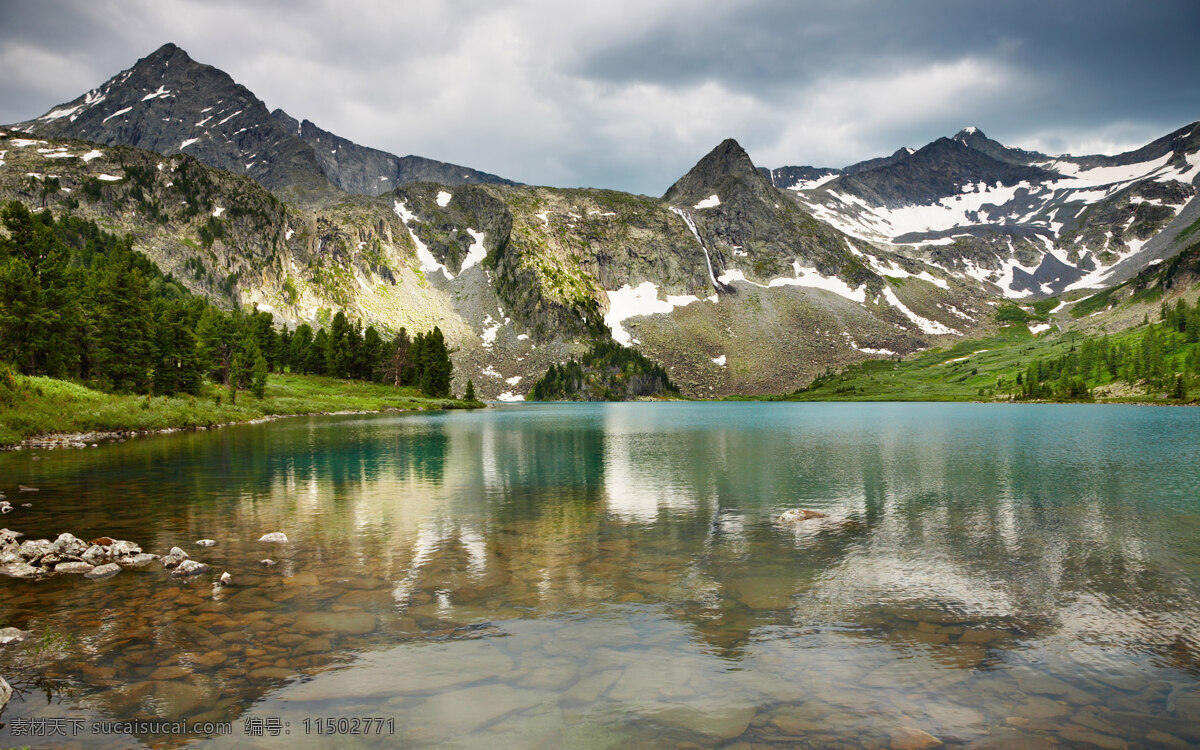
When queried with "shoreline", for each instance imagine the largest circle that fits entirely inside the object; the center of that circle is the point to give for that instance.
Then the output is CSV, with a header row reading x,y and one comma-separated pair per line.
x,y
81,440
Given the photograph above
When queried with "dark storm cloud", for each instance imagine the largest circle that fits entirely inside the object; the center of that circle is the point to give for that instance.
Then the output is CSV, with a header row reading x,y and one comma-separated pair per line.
x,y
629,93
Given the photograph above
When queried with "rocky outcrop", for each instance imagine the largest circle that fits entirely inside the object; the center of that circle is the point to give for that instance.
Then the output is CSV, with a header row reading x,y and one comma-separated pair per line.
x,y
369,171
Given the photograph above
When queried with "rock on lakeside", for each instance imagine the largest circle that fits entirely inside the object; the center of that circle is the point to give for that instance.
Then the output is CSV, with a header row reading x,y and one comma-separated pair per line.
x,y
100,558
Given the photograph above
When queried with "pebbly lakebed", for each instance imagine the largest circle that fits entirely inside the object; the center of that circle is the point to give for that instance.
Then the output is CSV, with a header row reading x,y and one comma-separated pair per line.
x,y
614,575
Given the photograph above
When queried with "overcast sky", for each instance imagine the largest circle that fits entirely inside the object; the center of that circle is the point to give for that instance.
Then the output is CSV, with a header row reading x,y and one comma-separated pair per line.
x,y
628,94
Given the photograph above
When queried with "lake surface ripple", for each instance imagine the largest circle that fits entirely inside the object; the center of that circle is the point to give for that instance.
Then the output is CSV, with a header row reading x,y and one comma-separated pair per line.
x,y
611,575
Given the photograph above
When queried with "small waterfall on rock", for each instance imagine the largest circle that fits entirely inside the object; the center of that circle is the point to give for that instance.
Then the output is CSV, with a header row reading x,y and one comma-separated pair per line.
x,y
687,219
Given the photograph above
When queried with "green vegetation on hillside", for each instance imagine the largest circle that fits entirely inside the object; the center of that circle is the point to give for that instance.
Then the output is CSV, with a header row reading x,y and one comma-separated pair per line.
x,y
79,304
1152,362
32,406
607,372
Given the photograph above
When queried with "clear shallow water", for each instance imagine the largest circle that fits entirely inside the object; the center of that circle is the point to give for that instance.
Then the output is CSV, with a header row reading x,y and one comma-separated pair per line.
x,y
609,575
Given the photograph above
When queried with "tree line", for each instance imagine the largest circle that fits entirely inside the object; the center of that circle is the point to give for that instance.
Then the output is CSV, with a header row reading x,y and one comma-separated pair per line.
x,y
606,372
1164,359
80,303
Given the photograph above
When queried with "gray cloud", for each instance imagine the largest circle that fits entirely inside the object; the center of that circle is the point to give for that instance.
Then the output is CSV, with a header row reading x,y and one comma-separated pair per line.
x,y
630,93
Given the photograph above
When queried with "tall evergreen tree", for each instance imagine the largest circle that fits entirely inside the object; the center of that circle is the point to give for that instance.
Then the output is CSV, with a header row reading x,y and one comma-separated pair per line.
x,y
120,298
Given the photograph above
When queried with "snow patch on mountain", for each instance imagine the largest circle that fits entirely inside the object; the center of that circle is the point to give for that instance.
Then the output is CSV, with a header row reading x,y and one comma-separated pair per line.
x,y
162,91
60,113
429,264
926,325
476,252
630,302
443,198
118,113
711,201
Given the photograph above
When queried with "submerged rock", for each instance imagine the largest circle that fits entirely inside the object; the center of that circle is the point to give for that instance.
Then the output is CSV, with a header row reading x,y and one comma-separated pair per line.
x,y
911,738
796,515
74,567
277,537
225,579
137,561
24,570
189,568
269,563
23,488
5,694
341,623
103,571
13,635
206,543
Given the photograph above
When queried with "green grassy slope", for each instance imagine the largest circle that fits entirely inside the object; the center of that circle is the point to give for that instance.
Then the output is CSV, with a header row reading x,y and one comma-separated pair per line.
x,y
35,406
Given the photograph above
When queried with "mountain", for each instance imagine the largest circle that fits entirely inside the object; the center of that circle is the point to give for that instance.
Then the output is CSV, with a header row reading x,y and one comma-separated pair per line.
x,y
369,171
742,293
169,103
1020,222
736,280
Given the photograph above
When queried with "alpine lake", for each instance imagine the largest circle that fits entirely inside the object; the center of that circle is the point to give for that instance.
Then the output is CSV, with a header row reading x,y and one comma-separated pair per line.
x,y
614,575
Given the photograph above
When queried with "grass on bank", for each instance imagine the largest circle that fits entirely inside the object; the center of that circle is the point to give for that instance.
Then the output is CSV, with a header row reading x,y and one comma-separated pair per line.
x,y
34,406
987,369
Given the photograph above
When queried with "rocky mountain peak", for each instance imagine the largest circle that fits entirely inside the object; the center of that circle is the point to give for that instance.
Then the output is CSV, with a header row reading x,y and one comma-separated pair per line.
x,y
725,166
169,103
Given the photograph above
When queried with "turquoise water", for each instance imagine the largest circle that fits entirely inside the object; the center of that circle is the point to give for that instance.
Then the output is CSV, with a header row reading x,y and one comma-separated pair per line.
x,y
611,575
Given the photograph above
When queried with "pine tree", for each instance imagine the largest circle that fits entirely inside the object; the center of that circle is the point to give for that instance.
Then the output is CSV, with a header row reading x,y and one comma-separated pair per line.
x,y
123,322
301,342
314,360
214,346
339,347
39,295
399,367
469,394
370,358
258,380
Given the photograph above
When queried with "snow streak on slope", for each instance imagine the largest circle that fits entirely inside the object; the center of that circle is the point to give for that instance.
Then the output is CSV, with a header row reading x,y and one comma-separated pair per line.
x,y
925,324
429,264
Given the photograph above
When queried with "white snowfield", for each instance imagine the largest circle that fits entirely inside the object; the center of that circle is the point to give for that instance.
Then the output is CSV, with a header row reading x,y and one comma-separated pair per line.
x,y
807,277
711,201
719,361
629,302
60,113
443,198
926,325
429,264
1033,204
476,252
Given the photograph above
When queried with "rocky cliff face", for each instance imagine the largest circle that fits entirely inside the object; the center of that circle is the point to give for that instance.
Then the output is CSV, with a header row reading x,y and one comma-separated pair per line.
x,y
172,104
369,171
